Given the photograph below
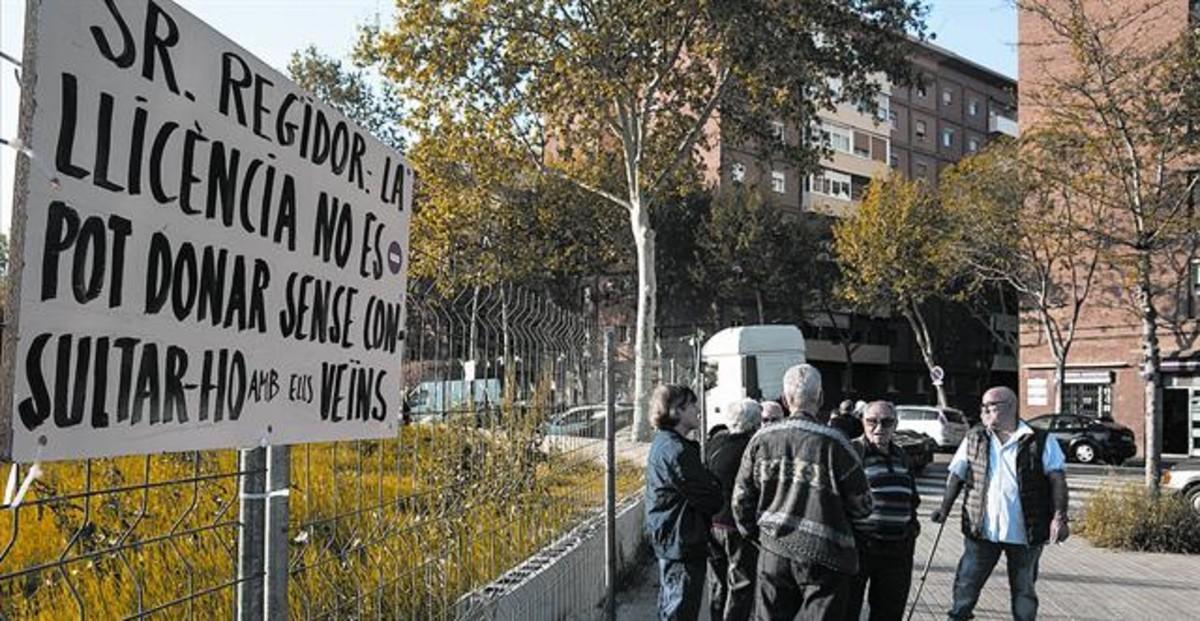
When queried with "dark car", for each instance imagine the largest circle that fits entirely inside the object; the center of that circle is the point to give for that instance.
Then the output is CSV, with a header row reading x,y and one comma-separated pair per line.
x,y
917,446
1088,440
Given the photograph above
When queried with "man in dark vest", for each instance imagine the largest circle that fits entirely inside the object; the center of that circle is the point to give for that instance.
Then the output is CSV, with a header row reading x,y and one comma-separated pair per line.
x,y
1015,502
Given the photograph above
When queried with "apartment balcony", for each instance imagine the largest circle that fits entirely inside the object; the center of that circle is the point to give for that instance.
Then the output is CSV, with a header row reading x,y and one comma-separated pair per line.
x,y
1000,124
829,351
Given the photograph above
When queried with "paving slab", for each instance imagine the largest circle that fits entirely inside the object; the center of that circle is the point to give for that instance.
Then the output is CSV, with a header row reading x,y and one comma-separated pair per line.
x,y
1077,580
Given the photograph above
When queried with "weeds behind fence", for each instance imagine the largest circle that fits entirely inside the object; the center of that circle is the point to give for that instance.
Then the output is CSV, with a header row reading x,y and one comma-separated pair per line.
x,y
395,528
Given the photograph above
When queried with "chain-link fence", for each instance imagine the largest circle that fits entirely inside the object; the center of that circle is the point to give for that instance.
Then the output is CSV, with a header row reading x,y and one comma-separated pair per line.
x,y
500,456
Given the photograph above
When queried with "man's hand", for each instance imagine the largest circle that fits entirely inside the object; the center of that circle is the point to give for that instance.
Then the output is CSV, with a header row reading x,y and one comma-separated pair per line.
x,y
937,516
1059,528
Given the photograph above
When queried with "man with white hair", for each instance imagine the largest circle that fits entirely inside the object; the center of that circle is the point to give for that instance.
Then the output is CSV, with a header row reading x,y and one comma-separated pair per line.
x,y
799,486
730,557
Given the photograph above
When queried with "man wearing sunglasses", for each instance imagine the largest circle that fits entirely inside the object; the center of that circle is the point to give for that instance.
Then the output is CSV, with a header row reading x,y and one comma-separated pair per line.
x,y
1016,502
885,538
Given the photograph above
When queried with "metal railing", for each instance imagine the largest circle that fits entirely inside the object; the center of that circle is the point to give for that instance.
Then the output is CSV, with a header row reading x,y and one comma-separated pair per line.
x,y
497,460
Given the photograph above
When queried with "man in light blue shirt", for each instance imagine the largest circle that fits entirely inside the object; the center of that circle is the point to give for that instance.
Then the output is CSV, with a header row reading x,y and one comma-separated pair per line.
x,y
1015,502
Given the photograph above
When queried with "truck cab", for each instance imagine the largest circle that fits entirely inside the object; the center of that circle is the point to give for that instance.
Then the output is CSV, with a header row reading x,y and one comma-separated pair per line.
x,y
747,361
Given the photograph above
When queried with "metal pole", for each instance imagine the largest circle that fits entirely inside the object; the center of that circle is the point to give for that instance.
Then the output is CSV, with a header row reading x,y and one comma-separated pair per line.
x,y
701,399
610,481
251,514
279,468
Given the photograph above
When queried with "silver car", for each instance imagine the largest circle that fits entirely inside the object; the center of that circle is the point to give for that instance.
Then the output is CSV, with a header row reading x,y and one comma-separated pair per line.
x,y
946,426
1184,478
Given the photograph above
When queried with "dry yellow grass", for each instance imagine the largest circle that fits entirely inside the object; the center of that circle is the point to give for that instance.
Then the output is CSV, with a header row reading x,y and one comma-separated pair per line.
x,y
398,527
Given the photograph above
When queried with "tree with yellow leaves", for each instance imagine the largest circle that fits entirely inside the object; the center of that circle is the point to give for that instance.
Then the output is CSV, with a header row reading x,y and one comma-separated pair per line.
x,y
897,252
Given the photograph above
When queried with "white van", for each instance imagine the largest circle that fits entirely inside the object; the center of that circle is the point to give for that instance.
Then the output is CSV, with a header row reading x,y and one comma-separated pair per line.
x,y
748,361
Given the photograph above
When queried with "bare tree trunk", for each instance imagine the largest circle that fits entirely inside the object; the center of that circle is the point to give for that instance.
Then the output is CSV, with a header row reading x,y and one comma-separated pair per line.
x,y
1060,376
921,331
643,238
1151,374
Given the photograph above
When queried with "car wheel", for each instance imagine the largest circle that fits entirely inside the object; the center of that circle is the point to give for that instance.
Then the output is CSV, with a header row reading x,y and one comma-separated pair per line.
x,y
1084,453
1193,498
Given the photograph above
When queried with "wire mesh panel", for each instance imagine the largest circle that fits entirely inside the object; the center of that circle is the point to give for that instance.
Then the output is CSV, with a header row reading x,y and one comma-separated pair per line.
x,y
501,454
124,538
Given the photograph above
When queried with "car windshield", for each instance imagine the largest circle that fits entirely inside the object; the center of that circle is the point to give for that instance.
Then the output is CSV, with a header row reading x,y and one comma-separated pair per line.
x,y
1041,422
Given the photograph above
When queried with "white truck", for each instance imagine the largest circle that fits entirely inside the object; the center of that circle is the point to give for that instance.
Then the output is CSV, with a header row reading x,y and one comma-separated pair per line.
x,y
747,361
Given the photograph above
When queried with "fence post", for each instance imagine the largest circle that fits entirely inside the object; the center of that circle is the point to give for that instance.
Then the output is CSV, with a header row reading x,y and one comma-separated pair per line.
x,y
279,468
610,482
251,516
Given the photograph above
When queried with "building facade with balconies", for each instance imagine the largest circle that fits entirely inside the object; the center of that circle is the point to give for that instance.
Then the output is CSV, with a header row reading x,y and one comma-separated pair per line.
x,y
958,107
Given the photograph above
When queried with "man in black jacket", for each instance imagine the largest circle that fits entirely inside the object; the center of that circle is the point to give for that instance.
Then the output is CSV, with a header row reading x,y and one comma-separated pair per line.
x,y
681,498
731,558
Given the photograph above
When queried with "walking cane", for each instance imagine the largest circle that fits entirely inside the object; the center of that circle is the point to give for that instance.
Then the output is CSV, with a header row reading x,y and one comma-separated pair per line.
x,y
925,574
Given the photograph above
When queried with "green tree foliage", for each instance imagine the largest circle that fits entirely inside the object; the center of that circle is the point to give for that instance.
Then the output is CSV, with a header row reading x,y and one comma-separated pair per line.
x,y
618,97
750,251
897,252
376,107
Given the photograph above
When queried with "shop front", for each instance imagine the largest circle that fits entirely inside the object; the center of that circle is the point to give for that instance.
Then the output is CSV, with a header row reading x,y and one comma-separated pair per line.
x,y
1181,407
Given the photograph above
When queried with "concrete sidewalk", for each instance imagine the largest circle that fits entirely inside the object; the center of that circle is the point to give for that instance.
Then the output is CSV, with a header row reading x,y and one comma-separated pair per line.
x,y
1077,580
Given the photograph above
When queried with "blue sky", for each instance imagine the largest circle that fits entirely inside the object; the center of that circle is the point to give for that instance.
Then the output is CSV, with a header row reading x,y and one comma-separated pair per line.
x,y
982,30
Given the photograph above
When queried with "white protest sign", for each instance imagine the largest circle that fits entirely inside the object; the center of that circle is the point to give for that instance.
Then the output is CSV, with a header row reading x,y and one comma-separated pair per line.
x,y
937,375
204,255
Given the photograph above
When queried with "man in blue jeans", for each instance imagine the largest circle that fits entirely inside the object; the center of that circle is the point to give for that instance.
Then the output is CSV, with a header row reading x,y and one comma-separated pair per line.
x,y
681,499
1015,502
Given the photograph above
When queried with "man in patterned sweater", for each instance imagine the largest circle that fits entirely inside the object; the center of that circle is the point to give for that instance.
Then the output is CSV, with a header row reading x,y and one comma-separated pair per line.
x,y
799,486
886,537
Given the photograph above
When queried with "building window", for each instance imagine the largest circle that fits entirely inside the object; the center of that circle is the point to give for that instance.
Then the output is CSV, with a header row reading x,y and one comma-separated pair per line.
x,y
921,92
894,161
1093,400
831,183
778,182
947,137
624,334
835,87
882,105
973,107
893,117
947,97
777,130
836,138
738,172
862,144
972,145
919,130
921,170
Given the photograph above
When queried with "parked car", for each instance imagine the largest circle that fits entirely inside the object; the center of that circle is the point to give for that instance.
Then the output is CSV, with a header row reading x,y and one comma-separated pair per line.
x,y
918,447
946,426
586,420
1184,478
1088,440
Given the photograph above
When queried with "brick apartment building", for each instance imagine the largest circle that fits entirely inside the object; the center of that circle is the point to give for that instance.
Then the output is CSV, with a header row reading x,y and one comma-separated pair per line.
x,y
959,106
1103,370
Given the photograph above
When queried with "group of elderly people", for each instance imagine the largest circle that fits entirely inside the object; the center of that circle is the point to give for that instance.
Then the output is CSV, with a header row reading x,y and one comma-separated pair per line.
x,y
803,515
